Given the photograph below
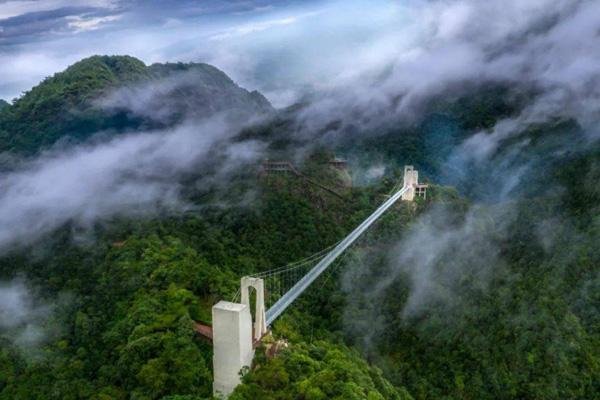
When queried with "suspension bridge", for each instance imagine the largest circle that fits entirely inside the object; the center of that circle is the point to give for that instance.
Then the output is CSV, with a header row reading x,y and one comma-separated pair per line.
x,y
235,334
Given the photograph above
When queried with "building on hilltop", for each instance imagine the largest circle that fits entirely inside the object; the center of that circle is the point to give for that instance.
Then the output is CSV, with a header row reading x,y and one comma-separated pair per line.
x,y
338,163
340,166
271,167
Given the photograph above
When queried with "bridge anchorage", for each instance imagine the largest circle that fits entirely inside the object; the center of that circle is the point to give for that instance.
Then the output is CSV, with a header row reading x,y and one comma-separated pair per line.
x,y
235,334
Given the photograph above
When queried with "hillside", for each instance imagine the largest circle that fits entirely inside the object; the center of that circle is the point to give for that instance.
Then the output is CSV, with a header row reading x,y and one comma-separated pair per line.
x,y
488,289
115,94
131,313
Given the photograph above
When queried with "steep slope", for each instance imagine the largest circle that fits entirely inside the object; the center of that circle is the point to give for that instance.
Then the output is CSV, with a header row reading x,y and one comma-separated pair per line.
x,y
116,94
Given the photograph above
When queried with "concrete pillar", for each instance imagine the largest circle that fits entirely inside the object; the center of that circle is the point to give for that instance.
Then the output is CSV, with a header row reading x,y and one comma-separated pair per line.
x,y
411,178
232,345
260,319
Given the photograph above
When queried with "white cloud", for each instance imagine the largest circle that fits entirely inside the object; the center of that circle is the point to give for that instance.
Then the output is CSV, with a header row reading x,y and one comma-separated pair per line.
x,y
13,8
129,175
21,318
247,29
87,23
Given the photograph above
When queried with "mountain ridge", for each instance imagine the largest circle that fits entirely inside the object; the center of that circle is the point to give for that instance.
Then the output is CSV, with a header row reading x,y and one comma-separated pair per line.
x,y
68,106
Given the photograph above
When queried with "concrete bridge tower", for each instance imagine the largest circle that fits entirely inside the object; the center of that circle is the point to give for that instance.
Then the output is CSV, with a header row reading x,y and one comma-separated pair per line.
x,y
234,336
411,181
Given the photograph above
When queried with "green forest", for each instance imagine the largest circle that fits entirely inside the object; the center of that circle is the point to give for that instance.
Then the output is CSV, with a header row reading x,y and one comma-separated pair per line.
x,y
456,296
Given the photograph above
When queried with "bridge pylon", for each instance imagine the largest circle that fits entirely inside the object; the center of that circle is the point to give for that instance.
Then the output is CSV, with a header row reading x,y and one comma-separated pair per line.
x,y
260,320
232,345
234,335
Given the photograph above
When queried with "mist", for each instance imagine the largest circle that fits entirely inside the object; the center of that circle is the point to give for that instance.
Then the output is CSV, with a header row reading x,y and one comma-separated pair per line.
x,y
444,266
21,317
133,175
547,48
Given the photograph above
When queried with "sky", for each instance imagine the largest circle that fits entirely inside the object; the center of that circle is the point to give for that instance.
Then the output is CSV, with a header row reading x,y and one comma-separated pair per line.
x,y
263,44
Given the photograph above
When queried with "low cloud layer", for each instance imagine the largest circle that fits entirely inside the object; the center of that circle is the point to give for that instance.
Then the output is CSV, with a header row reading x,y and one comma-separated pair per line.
x,y
443,256
129,175
21,317
399,55
551,47
438,254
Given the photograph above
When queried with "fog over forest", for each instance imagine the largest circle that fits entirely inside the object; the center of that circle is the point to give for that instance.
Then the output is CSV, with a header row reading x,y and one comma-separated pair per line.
x,y
135,193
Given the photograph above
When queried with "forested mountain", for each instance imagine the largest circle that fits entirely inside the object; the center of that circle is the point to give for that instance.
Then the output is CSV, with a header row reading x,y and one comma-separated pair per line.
x,y
100,93
488,289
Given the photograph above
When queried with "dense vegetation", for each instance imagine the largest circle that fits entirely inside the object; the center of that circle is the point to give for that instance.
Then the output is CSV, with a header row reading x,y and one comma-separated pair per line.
x,y
510,304
317,371
136,290
95,96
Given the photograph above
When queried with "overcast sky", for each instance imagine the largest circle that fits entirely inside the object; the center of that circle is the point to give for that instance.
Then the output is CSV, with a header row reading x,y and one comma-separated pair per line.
x,y
283,47
275,46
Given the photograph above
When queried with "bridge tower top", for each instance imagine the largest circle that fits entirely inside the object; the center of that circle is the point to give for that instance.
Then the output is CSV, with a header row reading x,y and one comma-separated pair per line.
x,y
260,321
411,182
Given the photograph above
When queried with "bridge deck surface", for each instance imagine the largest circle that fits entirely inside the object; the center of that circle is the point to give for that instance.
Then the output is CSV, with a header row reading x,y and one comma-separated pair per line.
x,y
286,300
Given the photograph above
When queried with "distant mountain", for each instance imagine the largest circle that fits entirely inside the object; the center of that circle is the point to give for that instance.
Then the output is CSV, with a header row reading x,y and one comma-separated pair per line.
x,y
199,88
119,93
3,104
